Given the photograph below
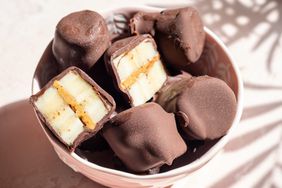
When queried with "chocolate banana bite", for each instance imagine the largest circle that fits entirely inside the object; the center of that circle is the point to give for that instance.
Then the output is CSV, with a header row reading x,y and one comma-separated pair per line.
x,y
144,137
136,68
80,39
73,106
204,106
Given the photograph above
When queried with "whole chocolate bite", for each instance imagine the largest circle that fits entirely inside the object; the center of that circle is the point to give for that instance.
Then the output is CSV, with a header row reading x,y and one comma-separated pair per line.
x,y
144,137
179,34
80,39
205,106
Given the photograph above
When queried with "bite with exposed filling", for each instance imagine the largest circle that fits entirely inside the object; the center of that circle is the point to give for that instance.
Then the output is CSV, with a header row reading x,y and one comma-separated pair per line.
x,y
73,106
136,68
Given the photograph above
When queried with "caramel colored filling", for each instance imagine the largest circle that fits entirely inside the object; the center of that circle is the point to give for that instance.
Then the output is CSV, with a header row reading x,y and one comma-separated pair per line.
x,y
127,83
78,108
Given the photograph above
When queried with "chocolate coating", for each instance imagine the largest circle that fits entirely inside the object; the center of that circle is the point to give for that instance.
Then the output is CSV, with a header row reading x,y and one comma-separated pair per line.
x,y
169,93
104,96
181,37
179,34
144,137
80,39
143,23
205,106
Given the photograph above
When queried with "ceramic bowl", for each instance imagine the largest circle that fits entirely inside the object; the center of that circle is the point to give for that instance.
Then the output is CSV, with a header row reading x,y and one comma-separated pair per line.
x,y
216,61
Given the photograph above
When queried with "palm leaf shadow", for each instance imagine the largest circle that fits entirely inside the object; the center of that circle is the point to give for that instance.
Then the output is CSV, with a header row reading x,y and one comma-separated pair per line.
x,y
248,138
254,86
264,179
242,170
256,14
253,111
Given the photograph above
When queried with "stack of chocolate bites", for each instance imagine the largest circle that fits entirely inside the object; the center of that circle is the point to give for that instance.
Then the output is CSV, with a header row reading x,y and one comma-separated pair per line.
x,y
158,100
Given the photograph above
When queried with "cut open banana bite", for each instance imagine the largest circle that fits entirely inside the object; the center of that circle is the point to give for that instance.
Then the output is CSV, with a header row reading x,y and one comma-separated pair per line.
x,y
136,68
73,106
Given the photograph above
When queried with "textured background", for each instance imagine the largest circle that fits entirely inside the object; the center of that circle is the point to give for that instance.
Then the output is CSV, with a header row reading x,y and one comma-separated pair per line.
x,y
252,30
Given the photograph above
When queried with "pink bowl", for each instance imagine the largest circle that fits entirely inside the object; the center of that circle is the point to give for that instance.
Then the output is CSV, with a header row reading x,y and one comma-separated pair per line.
x,y
215,61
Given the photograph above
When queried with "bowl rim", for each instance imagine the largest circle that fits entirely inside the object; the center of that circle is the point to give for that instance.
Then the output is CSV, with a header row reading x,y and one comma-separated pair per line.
x,y
180,170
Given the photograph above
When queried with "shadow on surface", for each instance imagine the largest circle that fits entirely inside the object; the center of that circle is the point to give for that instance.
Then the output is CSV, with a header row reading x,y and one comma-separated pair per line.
x,y
254,86
242,170
246,139
27,158
264,179
253,111
244,19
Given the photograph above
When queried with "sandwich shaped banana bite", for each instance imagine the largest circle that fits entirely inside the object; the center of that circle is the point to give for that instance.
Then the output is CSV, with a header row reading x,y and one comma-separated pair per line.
x,y
136,68
73,106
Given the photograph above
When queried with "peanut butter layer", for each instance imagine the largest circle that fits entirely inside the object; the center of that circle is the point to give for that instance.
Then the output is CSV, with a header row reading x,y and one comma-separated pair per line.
x,y
78,108
143,69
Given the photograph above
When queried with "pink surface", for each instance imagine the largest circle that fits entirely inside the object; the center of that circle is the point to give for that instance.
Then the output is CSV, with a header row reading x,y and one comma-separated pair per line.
x,y
27,159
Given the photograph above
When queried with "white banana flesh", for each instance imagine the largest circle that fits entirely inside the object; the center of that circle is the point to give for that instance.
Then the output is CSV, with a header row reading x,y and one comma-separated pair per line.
x,y
84,95
71,106
141,72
